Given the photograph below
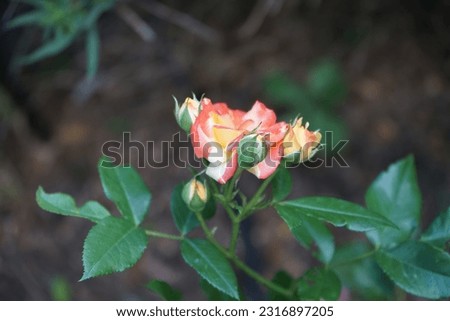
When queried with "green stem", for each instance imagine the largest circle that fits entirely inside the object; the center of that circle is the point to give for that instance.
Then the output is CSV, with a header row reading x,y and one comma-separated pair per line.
x,y
225,205
235,227
164,235
212,184
230,188
241,265
355,259
209,235
236,220
259,278
225,201
249,207
229,211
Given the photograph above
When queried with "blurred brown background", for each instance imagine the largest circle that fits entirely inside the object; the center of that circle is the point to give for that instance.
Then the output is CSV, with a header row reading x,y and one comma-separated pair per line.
x,y
395,58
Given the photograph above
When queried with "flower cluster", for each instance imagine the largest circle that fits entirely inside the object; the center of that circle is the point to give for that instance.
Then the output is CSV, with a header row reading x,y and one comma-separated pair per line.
x,y
231,138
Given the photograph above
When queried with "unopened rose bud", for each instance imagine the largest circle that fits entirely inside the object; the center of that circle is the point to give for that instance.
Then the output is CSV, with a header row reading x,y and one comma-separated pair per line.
x,y
195,195
252,150
187,113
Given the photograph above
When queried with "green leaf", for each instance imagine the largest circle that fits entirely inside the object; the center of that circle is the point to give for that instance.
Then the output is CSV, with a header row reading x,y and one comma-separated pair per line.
x,y
125,187
356,267
29,18
92,51
183,217
164,290
326,84
319,284
438,233
313,231
212,293
94,13
63,204
335,211
308,230
281,184
94,210
396,195
112,245
418,268
211,264
60,41
284,280
185,220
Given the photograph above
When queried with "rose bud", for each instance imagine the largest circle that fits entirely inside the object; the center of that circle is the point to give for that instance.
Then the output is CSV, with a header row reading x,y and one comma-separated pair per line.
x,y
195,195
187,113
300,144
251,151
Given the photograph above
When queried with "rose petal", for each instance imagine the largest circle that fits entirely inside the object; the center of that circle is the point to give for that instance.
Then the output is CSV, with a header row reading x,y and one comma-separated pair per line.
x,y
202,129
222,172
276,131
267,167
260,116
224,136
198,137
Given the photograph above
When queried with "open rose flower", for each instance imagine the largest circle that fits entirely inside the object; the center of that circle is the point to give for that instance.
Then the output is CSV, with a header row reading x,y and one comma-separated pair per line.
x,y
300,144
218,129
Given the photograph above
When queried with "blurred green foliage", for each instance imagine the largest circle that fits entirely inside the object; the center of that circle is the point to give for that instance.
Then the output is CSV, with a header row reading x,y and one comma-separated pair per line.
x,y
317,100
62,22
60,289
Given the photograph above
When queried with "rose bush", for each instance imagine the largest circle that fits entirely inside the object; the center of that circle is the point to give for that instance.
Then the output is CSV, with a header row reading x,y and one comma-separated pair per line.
x,y
232,141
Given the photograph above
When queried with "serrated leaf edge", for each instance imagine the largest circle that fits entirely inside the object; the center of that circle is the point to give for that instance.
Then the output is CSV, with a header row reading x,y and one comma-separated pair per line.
x,y
86,277
233,293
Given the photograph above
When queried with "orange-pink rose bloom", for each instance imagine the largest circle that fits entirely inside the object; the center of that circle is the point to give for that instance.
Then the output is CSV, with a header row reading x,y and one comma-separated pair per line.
x,y
217,130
